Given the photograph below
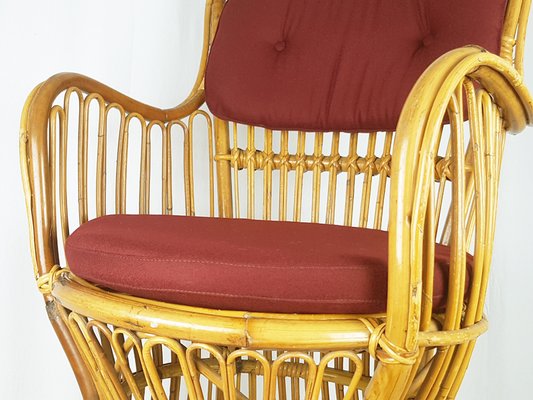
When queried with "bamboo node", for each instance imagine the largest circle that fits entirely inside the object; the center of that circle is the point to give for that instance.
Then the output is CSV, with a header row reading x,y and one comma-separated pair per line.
x,y
46,281
382,349
507,46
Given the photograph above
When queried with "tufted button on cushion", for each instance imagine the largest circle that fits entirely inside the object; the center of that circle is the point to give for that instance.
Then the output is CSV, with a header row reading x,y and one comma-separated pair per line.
x,y
427,41
280,46
352,62
241,264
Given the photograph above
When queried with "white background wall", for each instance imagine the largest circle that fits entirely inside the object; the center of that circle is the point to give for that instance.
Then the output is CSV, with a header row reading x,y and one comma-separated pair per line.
x,y
149,50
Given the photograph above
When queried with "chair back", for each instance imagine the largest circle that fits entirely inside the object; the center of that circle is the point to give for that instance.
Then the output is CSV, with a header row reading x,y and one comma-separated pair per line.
x,y
341,65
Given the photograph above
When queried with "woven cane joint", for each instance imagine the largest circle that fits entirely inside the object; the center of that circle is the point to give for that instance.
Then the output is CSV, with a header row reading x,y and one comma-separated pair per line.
x,y
45,282
381,348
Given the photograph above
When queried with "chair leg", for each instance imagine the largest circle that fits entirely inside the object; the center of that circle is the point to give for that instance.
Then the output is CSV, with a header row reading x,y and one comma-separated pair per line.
x,y
82,374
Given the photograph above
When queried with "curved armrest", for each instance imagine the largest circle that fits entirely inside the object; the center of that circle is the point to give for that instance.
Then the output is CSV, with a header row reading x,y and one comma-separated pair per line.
x,y
464,84
42,98
414,162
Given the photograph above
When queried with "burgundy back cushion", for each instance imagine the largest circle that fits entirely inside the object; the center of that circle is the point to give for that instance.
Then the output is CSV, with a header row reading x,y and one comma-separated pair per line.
x,y
322,65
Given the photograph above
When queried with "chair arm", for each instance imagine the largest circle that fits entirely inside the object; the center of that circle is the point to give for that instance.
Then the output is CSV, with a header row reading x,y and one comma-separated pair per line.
x,y
34,149
34,135
414,164
41,100
496,101
417,133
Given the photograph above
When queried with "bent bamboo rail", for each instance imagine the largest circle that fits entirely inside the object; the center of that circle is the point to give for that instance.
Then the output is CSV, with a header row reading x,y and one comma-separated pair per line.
x,y
412,177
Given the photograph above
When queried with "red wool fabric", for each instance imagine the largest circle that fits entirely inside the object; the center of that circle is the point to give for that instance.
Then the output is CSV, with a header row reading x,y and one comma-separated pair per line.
x,y
239,264
336,65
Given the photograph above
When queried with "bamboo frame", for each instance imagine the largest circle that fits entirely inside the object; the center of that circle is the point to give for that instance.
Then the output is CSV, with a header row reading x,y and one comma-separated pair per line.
x,y
121,346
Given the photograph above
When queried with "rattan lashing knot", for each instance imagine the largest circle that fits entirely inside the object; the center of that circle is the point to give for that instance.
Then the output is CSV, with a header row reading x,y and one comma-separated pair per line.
x,y
284,160
251,157
388,352
46,281
236,156
383,164
352,163
293,369
267,160
335,162
301,161
369,164
318,162
443,168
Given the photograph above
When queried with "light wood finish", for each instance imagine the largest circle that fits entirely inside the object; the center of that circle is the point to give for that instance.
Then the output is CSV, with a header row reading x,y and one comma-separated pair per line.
x,y
435,177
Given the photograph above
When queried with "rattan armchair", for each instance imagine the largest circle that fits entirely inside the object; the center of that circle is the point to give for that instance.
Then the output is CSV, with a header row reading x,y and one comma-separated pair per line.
x,y
268,295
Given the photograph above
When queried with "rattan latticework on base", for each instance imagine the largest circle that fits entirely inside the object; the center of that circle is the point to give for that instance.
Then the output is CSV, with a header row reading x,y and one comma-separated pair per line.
x,y
87,150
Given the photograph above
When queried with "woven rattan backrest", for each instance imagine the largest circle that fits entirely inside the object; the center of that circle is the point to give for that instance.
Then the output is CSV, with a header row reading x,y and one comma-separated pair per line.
x,y
331,177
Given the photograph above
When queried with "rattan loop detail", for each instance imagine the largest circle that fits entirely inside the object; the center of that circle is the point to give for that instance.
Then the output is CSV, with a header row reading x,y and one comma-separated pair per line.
x,y
46,281
380,347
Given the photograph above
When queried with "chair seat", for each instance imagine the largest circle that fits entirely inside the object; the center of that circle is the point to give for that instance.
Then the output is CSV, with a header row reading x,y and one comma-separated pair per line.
x,y
239,264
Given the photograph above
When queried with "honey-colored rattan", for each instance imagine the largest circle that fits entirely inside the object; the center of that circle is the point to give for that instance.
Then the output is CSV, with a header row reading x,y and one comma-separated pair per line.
x,y
434,179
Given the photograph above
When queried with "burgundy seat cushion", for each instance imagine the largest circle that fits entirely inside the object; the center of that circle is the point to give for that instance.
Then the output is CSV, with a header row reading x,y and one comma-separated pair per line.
x,y
240,264
338,64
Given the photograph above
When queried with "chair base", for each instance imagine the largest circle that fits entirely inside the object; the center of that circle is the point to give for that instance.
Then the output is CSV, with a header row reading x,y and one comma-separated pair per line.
x,y
134,346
